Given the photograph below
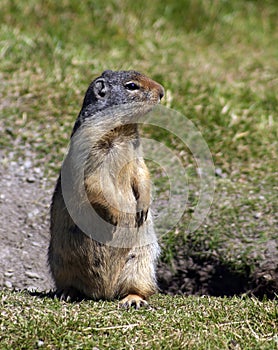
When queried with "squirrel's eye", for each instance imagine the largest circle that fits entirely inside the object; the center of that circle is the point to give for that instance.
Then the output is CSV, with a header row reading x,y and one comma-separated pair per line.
x,y
131,86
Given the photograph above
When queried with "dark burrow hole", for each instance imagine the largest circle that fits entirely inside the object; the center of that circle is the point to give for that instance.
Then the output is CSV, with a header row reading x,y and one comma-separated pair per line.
x,y
214,278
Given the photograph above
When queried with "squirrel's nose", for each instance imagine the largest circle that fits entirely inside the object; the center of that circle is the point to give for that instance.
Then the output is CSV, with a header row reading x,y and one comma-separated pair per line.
x,y
161,92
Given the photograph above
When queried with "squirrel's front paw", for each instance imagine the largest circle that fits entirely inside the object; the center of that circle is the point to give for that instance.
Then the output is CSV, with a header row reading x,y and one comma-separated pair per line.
x,y
141,216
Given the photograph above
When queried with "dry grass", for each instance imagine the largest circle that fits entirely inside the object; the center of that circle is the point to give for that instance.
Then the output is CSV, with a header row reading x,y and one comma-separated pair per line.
x,y
170,323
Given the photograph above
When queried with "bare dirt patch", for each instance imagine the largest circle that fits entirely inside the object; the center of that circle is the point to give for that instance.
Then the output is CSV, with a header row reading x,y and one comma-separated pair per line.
x,y
24,206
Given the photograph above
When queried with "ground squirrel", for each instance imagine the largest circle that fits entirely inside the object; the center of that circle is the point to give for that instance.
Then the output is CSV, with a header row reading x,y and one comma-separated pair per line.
x,y
117,186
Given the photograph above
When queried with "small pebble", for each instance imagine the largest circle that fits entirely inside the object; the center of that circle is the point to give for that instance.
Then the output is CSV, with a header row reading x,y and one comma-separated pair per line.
x,y
220,173
30,179
268,277
28,164
33,213
8,274
32,274
9,131
37,170
8,284
36,244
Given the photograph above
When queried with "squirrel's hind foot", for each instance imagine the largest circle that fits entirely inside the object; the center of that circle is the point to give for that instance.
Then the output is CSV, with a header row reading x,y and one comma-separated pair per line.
x,y
68,294
133,300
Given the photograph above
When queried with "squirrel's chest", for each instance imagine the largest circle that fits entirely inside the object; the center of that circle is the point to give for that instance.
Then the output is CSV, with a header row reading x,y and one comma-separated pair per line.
x,y
117,158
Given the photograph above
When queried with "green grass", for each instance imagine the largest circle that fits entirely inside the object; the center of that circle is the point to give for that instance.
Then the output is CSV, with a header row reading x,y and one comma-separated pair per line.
x,y
171,323
216,59
218,62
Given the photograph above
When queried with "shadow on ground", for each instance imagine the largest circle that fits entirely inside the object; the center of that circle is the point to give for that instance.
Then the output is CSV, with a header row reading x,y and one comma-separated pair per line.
x,y
211,277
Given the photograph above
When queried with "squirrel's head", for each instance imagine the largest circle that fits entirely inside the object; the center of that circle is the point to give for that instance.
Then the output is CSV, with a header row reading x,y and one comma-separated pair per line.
x,y
116,88
121,87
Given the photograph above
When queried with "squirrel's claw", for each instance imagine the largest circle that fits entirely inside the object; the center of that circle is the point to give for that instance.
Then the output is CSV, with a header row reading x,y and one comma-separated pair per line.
x,y
69,294
133,300
141,216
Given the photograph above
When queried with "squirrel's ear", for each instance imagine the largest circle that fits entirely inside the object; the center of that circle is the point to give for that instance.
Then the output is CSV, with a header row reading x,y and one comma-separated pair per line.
x,y
100,88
